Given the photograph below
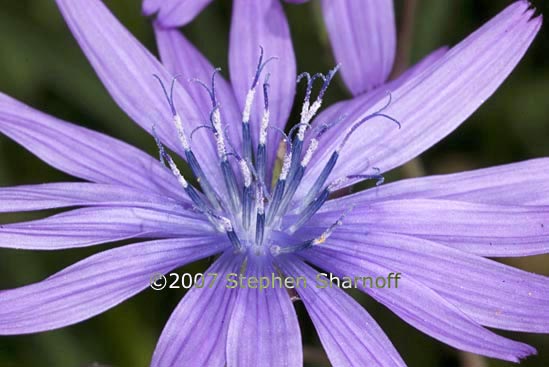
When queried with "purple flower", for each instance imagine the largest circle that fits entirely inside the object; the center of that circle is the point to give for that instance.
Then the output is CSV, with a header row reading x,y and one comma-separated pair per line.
x,y
175,13
436,230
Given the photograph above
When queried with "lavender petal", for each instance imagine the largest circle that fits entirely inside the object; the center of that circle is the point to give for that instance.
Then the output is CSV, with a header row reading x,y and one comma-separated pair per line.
x,y
95,284
92,226
263,329
424,308
84,153
481,229
70,194
196,333
363,38
350,336
491,293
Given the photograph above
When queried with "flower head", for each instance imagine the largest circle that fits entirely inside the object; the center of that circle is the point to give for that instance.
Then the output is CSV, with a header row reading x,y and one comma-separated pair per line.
x,y
435,230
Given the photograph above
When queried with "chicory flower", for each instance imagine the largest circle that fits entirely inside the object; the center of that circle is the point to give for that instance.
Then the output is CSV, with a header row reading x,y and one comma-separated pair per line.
x,y
436,230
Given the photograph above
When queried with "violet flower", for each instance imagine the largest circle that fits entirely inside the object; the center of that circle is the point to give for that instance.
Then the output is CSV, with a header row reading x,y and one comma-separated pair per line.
x,y
176,13
436,230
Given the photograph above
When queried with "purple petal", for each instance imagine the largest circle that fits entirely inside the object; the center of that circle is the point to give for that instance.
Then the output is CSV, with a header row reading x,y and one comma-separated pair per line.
x,y
150,7
127,70
175,13
263,330
481,229
363,38
258,24
491,293
181,58
84,153
296,1
350,336
431,104
196,332
96,284
423,308
67,194
522,183
92,226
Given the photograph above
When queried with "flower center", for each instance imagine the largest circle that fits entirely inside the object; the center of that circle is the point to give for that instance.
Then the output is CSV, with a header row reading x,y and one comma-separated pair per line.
x,y
251,211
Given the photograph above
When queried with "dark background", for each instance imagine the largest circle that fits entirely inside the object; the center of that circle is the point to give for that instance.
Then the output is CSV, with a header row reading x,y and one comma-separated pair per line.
x,y
41,65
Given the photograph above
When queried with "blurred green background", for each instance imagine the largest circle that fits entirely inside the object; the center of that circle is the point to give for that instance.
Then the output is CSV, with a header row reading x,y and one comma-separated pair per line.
x,y
41,65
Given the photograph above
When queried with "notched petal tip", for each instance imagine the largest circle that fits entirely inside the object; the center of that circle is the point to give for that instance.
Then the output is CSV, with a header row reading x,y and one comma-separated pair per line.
x,y
527,352
535,13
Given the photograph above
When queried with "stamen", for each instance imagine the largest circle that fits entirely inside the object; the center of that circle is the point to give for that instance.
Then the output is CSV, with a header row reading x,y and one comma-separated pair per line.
x,y
309,111
231,184
260,222
277,250
159,146
310,210
321,179
250,97
211,90
280,187
247,194
294,181
229,230
313,146
189,155
276,200
261,158
378,113
342,182
194,195
335,155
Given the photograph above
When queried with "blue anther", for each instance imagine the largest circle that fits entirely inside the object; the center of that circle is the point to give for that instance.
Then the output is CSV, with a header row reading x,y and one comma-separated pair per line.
x,y
259,229
321,179
291,187
159,145
247,204
246,141
203,181
261,160
276,200
297,147
232,187
342,182
310,210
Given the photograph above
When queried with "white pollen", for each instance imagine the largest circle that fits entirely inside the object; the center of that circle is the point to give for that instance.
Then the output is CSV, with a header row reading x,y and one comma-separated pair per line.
x,y
216,119
313,110
219,137
221,152
181,132
313,145
286,166
304,111
260,204
226,223
177,173
246,173
264,126
248,106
